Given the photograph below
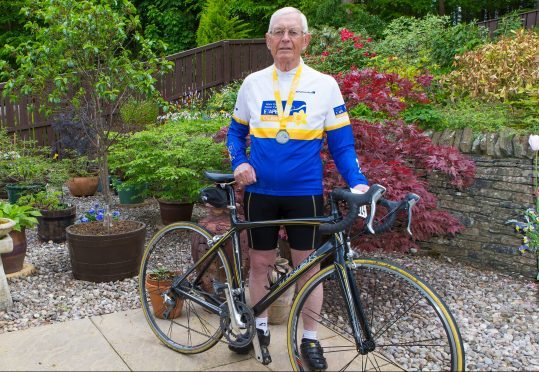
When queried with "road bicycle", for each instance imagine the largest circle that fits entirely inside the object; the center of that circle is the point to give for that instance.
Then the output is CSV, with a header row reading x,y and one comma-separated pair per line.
x,y
375,315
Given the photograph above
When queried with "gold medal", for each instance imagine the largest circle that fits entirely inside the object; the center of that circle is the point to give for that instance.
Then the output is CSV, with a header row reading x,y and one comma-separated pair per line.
x,y
283,136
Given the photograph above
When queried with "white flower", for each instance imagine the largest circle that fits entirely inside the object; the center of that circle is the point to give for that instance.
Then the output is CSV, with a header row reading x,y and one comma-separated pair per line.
x,y
534,142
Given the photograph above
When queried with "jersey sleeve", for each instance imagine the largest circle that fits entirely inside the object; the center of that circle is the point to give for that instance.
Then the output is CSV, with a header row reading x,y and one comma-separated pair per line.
x,y
341,139
239,129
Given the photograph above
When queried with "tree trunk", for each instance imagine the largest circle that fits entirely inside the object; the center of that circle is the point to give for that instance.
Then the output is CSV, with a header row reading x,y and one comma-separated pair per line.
x,y
441,7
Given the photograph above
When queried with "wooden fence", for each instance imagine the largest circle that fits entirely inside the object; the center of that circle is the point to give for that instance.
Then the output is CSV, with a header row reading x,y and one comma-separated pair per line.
x,y
529,20
194,72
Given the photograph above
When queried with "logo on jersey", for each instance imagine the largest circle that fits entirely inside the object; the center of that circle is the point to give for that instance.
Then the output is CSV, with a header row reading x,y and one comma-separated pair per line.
x,y
298,112
339,111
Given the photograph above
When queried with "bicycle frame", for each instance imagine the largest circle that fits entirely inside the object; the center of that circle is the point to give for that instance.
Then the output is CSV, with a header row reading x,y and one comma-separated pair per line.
x,y
336,244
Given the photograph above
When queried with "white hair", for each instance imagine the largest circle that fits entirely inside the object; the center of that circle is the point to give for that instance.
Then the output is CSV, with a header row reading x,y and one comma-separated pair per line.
x,y
288,10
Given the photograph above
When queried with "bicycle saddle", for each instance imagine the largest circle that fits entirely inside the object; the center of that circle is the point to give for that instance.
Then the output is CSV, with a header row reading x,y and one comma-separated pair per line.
x,y
219,177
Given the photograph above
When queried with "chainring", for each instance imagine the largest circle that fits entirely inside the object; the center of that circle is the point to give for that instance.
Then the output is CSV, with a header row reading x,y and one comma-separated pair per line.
x,y
238,337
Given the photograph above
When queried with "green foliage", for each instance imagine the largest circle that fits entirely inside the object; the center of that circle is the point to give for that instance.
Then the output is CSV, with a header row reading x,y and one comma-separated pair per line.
x,y
477,115
217,23
51,201
92,55
364,112
12,31
224,99
139,113
423,114
170,158
23,215
506,70
79,165
171,21
430,42
508,24
161,274
25,163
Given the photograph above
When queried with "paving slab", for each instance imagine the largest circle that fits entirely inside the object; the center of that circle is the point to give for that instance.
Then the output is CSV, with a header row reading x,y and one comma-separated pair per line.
x,y
70,346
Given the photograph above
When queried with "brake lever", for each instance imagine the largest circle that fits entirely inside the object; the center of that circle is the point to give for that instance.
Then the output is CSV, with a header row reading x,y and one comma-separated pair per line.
x,y
375,197
411,200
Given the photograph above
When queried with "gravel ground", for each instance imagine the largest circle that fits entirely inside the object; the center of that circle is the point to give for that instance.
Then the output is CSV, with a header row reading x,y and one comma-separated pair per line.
x,y
498,315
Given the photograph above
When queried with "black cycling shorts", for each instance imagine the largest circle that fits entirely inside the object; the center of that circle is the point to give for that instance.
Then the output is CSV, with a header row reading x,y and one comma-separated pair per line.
x,y
259,207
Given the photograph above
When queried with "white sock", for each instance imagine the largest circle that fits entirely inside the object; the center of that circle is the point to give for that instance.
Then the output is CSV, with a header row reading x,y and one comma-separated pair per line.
x,y
262,324
311,335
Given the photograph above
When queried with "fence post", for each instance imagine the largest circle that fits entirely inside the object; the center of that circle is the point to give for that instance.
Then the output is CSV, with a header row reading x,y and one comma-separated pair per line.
x,y
227,72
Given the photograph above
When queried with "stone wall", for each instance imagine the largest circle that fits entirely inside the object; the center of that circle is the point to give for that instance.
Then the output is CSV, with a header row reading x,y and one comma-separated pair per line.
x,y
502,190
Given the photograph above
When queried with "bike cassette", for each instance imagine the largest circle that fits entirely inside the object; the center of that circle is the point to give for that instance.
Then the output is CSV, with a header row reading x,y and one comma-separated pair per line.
x,y
238,337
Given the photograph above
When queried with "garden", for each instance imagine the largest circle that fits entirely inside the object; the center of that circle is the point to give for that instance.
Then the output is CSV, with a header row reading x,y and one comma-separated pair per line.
x,y
128,162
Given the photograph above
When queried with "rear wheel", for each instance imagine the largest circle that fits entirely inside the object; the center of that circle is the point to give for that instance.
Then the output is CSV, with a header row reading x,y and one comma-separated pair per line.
x,y
181,323
411,325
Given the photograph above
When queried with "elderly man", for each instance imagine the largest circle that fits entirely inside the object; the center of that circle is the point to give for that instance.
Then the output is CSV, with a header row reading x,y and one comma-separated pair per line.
x,y
283,173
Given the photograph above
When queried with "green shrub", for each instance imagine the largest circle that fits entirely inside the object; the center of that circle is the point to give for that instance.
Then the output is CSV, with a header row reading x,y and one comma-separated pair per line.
x,y
170,158
51,201
429,42
139,113
217,24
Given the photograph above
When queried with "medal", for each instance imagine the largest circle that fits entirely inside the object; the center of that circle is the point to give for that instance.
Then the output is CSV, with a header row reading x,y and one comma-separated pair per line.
x,y
282,136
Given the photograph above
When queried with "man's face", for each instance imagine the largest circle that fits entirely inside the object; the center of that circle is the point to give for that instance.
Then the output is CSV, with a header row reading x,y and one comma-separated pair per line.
x,y
286,40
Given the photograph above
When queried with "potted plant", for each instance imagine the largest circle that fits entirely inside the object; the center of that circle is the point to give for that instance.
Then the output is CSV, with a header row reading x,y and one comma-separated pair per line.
x,y
170,159
98,255
55,214
158,282
24,217
83,175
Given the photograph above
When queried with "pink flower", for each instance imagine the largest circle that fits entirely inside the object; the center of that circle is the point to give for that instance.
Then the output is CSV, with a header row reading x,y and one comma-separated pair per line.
x,y
325,53
369,40
366,54
358,45
346,34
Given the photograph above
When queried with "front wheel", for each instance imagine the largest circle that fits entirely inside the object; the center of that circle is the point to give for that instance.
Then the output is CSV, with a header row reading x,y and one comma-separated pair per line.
x,y
411,326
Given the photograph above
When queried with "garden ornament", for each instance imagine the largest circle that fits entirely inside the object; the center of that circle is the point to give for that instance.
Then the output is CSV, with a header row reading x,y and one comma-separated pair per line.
x,y
6,246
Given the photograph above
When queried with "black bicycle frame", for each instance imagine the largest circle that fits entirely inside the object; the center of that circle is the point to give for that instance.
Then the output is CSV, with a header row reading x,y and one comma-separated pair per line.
x,y
336,244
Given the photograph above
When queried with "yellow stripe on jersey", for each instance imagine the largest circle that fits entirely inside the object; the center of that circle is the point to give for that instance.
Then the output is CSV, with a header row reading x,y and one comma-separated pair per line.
x,y
297,134
338,125
238,120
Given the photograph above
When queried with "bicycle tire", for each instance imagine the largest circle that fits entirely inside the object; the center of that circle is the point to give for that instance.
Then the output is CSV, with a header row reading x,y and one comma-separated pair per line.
x,y
412,326
196,329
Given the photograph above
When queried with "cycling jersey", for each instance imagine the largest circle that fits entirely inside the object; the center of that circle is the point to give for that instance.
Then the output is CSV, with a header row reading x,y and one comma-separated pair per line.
x,y
293,167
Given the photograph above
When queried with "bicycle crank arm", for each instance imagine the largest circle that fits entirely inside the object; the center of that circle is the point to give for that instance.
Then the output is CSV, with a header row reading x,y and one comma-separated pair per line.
x,y
261,351
235,318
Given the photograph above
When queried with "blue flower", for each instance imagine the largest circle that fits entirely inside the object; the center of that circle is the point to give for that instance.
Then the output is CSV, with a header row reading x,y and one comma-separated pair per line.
x,y
99,217
115,214
84,219
91,211
96,206
100,211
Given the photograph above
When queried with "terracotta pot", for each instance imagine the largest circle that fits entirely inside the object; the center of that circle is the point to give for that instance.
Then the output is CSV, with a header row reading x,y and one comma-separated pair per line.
x,y
155,288
52,224
105,258
14,260
83,186
174,211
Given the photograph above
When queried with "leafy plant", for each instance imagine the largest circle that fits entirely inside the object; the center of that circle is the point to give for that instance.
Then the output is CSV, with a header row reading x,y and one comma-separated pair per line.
x,y
161,274
50,201
507,69
91,56
224,99
530,234
382,92
349,51
389,154
80,165
217,23
137,114
23,215
170,158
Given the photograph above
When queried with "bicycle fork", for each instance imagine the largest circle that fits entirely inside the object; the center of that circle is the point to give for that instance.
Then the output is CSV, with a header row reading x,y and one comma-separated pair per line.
x,y
360,327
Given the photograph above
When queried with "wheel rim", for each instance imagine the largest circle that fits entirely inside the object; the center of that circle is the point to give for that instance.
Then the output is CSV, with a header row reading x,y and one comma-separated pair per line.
x,y
412,328
196,329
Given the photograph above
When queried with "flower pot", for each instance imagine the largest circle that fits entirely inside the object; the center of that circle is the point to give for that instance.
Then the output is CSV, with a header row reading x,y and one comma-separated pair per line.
x,y
52,224
132,195
14,260
105,258
15,190
155,288
174,211
83,186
